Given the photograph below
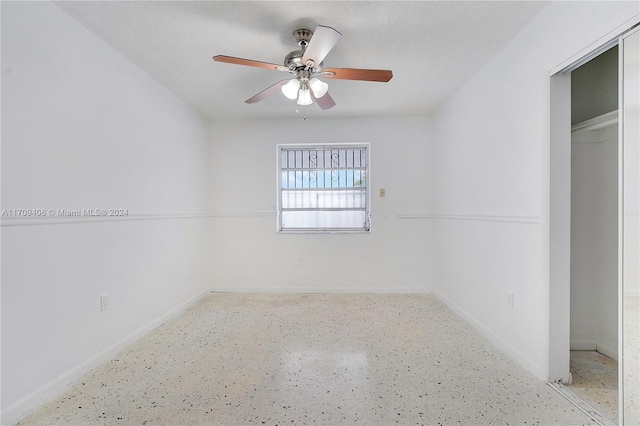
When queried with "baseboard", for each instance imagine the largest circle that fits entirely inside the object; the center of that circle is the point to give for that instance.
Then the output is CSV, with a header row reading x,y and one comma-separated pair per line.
x,y
608,351
49,391
592,345
321,290
496,340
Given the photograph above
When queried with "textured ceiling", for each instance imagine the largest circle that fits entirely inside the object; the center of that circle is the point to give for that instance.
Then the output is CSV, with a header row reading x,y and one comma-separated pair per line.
x,y
431,47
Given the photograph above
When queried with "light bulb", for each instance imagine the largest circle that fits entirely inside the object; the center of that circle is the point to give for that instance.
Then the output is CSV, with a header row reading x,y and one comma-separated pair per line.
x,y
319,87
305,97
290,89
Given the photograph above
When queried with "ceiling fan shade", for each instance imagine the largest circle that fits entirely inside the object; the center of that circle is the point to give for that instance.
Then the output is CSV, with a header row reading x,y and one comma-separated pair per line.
x,y
290,89
382,76
318,87
304,95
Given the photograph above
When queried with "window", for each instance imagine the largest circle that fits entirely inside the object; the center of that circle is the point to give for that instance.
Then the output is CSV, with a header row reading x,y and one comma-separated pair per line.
x,y
323,188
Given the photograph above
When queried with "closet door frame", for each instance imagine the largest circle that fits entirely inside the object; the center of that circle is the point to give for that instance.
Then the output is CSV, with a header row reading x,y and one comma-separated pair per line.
x,y
559,210
628,231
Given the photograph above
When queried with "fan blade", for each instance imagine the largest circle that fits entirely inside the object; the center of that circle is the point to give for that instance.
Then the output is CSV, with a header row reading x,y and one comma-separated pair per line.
x,y
357,74
321,43
325,102
249,63
266,92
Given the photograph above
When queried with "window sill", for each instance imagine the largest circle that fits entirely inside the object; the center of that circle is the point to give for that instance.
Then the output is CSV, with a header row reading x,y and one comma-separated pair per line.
x,y
324,231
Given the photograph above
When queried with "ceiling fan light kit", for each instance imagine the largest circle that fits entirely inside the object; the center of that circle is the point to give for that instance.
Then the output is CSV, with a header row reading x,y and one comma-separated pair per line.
x,y
304,97
306,66
319,87
290,89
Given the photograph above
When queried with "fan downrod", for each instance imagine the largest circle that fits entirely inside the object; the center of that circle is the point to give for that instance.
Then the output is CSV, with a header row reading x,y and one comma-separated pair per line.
x,y
302,37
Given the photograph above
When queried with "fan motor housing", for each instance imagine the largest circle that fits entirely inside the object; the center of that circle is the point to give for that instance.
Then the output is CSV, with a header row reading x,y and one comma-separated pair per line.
x,y
293,61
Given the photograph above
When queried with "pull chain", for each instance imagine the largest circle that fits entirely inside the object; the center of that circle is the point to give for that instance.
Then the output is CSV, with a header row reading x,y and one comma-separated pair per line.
x,y
304,112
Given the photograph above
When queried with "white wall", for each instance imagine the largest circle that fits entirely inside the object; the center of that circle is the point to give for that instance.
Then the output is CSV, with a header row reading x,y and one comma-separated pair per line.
x,y
491,163
594,241
83,128
393,257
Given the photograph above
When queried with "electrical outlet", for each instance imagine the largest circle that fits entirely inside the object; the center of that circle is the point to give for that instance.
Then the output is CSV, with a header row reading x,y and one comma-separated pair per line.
x,y
104,302
301,261
383,192
510,299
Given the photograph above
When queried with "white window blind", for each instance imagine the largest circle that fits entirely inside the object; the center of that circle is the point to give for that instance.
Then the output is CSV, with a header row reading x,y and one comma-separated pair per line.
x,y
323,188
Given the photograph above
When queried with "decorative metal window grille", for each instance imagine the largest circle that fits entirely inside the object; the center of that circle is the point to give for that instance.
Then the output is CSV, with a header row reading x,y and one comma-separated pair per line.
x,y
323,188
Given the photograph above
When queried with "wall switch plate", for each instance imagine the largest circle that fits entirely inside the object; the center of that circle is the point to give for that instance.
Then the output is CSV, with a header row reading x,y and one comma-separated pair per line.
x,y
300,261
104,302
383,192
510,299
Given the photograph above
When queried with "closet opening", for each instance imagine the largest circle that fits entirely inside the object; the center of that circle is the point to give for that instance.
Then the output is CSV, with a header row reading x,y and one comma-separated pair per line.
x,y
593,361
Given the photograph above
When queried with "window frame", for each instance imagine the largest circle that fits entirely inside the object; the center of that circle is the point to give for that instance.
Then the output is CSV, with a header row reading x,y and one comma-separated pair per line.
x,y
323,146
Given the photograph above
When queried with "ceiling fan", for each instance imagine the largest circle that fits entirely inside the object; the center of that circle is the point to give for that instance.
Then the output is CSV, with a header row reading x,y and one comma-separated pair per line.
x,y
306,64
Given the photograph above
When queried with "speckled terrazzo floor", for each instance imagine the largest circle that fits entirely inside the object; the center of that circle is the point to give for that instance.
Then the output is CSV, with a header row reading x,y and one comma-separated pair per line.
x,y
311,359
595,380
